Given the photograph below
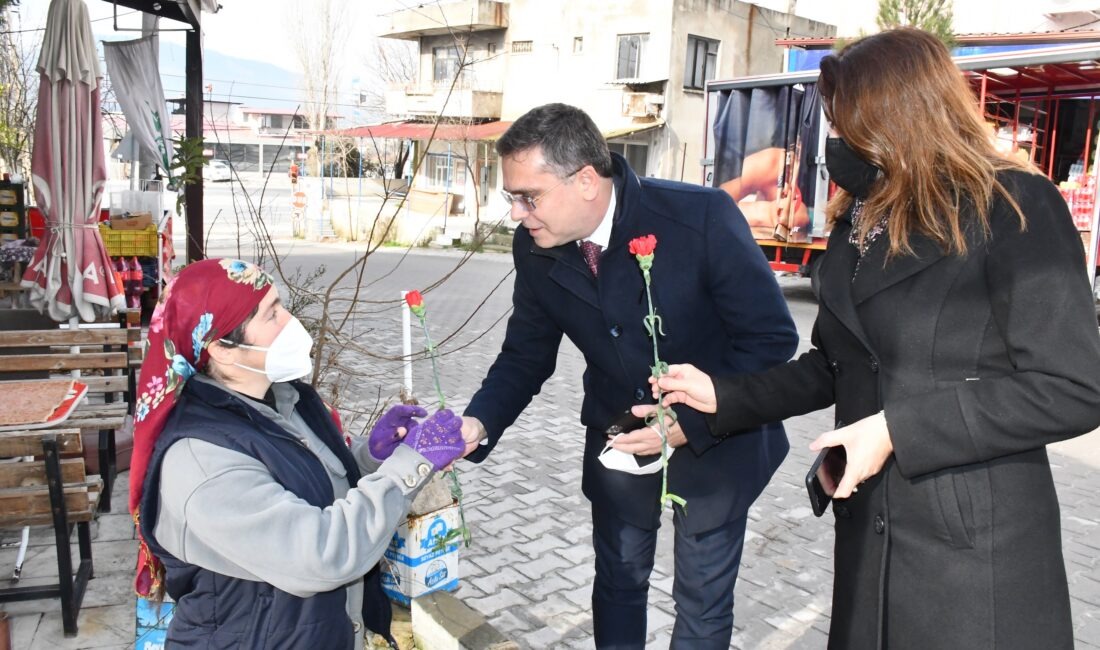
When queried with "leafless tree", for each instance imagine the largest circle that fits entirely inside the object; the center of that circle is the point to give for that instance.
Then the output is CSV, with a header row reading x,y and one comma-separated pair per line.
x,y
349,368
320,38
18,94
390,64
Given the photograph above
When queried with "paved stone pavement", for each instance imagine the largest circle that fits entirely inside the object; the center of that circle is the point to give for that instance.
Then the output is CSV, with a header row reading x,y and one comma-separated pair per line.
x,y
530,567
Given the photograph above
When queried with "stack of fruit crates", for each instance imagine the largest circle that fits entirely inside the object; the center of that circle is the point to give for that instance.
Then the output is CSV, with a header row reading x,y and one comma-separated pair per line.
x,y
127,243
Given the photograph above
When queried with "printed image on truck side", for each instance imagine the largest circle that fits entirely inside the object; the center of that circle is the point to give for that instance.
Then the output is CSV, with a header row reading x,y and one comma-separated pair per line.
x,y
765,142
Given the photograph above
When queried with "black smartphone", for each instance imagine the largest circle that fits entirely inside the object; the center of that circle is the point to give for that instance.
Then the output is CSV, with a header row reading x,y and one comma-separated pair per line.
x,y
824,477
626,423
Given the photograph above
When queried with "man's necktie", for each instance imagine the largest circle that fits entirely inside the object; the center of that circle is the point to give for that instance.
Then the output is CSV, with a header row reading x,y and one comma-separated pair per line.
x,y
591,253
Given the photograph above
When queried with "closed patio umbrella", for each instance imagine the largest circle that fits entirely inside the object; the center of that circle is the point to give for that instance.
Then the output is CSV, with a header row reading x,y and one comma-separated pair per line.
x,y
71,275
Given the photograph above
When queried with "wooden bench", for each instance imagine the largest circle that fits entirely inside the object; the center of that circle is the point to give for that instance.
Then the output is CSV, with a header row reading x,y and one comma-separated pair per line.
x,y
51,490
108,361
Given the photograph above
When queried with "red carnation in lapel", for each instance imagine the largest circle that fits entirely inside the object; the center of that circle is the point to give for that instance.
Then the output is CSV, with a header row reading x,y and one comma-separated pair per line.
x,y
642,249
643,245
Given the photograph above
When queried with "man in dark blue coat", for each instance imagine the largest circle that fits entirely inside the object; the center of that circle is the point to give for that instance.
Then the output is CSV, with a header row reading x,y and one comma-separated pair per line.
x,y
578,207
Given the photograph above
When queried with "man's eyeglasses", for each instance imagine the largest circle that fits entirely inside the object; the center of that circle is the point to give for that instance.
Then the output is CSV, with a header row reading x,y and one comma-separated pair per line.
x,y
531,202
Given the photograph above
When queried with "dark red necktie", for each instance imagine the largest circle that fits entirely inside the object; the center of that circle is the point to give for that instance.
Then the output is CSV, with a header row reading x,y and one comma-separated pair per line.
x,y
591,254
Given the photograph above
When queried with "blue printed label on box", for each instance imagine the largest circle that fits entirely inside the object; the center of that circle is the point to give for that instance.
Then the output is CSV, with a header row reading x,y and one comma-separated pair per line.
x,y
417,562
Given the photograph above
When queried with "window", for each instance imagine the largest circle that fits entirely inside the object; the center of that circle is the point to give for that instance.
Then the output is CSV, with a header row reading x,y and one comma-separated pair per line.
x,y
630,55
439,171
277,157
241,157
522,47
578,44
492,49
637,155
701,62
444,64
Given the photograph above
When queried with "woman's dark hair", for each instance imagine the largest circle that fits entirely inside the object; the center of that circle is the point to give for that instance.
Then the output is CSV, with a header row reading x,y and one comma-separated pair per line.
x,y
568,137
232,339
236,337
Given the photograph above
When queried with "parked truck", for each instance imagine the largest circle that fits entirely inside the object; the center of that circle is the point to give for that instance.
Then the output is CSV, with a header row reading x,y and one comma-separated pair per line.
x,y
765,143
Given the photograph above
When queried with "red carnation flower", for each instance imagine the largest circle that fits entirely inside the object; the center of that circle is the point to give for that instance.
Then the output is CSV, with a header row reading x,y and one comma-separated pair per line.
x,y
643,245
415,301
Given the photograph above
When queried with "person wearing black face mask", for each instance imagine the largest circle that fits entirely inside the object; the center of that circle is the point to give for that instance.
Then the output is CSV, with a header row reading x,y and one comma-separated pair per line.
x,y
956,338
848,169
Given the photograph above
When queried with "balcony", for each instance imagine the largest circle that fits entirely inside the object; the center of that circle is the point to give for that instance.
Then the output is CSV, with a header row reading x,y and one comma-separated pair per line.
x,y
465,101
446,17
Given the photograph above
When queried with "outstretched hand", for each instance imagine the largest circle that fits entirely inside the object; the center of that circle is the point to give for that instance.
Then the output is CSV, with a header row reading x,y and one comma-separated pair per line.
x,y
388,431
438,438
686,384
473,432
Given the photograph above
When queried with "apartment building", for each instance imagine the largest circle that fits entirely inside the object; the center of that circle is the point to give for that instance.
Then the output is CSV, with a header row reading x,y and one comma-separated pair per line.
x,y
637,66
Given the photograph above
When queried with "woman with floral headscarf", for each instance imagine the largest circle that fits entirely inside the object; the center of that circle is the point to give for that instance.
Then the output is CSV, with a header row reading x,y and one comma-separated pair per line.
x,y
256,515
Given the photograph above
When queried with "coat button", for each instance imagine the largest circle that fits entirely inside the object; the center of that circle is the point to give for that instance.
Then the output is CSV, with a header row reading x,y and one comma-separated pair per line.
x,y
423,469
880,524
356,626
639,394
616,331
410,481
874,364
835,367
841,510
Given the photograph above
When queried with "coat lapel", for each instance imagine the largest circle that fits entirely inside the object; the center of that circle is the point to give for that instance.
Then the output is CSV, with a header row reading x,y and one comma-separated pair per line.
x,y
836,281
877,274
627,191
570,272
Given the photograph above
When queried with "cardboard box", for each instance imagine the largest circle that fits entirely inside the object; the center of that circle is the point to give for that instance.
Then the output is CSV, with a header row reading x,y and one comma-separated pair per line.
x,y
136,221
414,564
152,624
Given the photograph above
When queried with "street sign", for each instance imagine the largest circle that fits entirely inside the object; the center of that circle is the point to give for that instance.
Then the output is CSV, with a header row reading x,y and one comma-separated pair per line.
x,y
298,200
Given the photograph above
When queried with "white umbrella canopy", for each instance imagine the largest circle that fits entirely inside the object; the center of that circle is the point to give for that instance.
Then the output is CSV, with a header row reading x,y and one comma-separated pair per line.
x,y
71,274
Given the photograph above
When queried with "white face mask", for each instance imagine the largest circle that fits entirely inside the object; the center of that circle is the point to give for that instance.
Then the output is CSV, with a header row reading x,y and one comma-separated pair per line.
x,y
287,356
612,458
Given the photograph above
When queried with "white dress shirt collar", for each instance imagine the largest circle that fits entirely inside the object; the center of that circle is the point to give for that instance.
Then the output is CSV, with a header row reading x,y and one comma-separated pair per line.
x,y
602,234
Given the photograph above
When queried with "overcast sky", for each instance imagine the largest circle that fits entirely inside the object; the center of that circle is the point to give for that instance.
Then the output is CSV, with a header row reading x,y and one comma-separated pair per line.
x,y
248,29
260,29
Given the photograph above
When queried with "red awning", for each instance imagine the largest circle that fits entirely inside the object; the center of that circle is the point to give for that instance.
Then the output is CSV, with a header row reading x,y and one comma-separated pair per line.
x,y
964,40
423,130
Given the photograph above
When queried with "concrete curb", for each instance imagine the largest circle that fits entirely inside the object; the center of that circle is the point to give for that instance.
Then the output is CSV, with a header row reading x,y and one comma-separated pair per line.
x,y
441,621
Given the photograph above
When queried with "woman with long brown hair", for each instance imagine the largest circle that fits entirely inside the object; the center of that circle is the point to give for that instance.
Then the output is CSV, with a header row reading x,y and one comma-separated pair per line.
x,y
956,337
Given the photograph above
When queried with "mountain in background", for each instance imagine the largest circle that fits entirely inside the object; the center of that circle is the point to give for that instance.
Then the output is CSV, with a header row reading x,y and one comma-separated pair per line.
x,y
253,84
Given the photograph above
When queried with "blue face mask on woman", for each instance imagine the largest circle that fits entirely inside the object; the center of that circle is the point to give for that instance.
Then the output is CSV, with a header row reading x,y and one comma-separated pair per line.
x,y
848,169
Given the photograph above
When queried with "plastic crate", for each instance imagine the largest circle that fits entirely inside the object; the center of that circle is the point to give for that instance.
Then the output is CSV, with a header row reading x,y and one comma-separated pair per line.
x,y
127,243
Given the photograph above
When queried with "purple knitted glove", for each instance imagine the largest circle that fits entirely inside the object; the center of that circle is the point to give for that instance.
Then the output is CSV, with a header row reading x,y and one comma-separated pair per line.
x,y
383,436
438,438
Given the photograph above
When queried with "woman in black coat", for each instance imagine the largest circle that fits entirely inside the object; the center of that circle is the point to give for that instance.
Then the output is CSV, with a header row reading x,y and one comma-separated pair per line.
x,y
956,337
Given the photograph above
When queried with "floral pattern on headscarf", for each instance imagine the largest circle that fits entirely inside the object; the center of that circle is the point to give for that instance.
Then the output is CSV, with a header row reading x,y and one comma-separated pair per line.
x,y
207,297
246,273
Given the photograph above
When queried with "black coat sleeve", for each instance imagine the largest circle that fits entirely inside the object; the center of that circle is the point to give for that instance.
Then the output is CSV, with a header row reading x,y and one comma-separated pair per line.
x,y
750,304
1044,310
526,360
800,386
